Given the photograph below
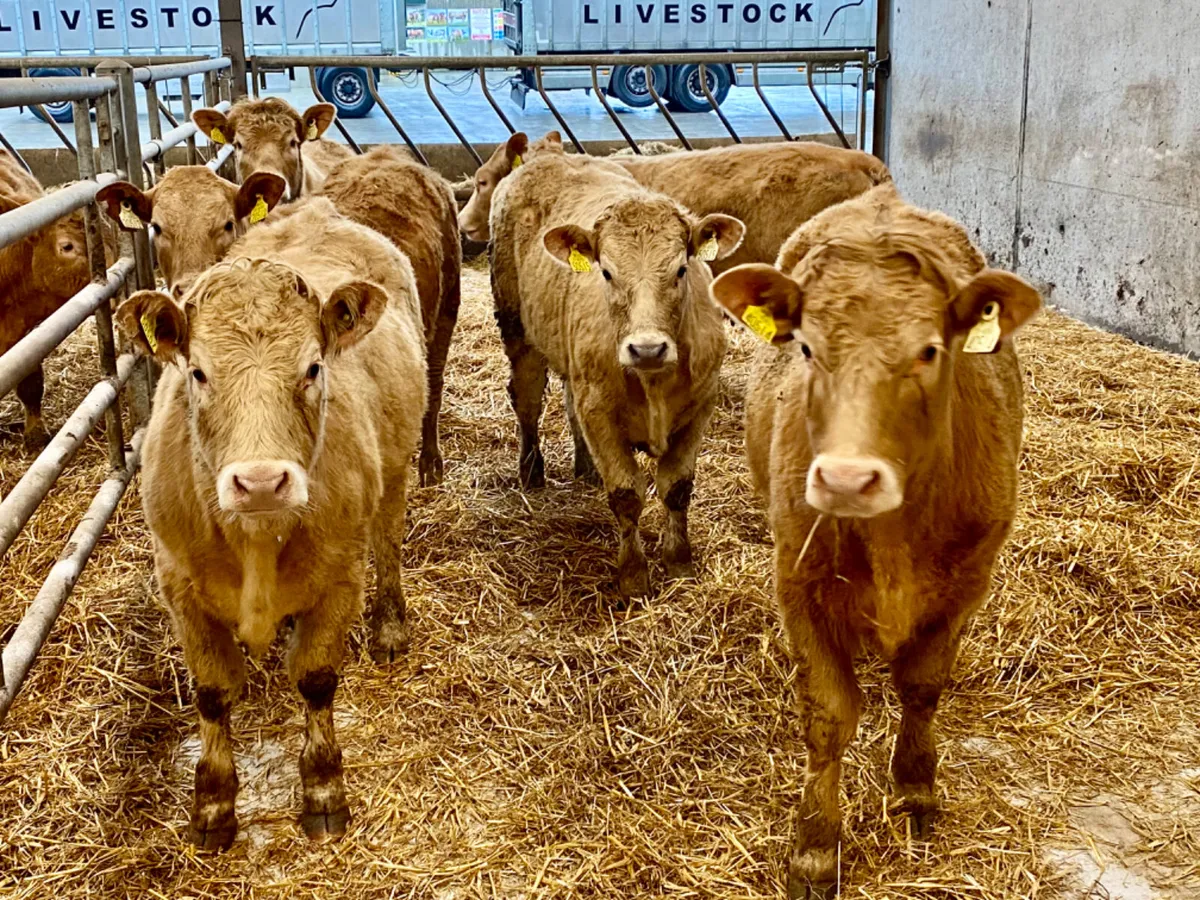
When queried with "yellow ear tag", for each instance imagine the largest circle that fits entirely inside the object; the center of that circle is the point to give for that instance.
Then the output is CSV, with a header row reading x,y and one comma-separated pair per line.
x,y
216,135
578,261
128,217
708,252
984,337
260,210
759,320
149,326
517,161
312,134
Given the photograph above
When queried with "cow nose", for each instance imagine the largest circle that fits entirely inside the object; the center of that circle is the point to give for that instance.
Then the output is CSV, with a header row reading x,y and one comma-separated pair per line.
x,y
649,352
261,486
848,477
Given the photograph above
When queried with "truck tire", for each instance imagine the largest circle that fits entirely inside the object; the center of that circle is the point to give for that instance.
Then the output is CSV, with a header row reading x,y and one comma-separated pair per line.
x,y
61,111
686,93
629,85
347,88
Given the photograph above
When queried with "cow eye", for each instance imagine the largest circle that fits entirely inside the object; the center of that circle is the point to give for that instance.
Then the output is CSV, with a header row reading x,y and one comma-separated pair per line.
x,y
157,229
229,226
682,271
237,145
928,354
294,143
67,247
314,371
806,350
200,377
607,274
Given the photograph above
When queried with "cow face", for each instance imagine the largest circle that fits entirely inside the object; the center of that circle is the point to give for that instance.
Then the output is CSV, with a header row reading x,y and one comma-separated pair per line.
x,y
650,257
877,325
253,340
473,219
60,260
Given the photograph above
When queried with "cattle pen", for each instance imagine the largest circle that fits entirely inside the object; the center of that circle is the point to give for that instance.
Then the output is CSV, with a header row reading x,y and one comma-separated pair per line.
x,y
541,740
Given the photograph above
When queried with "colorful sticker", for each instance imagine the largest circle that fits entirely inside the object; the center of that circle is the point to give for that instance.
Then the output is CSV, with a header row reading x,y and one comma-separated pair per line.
x,y
517,161
260,210
578,261
759,320
149,327
216,135
312,133
984,337
708,250
129,219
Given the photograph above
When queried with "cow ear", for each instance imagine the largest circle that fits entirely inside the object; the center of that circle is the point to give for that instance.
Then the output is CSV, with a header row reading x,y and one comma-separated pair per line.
x,y
716,236
258,195
351,311
154,324
126,205
572,246
516,148
762,298
990,307
213,125
553,140
316,120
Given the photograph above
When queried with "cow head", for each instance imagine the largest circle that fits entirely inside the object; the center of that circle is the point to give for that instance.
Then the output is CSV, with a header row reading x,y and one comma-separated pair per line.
x,y
877,320
193,215
60,260
473,219
252,339
267,136
650,256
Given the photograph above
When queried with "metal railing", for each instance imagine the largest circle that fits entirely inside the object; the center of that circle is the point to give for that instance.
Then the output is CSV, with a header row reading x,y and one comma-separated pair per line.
x,y
812,62
111,95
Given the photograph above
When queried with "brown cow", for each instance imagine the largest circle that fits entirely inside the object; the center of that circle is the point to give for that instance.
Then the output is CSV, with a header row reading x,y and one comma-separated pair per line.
x,y
193,214
276,455
601,280
773,188
38,274
270,136
413,206
885,436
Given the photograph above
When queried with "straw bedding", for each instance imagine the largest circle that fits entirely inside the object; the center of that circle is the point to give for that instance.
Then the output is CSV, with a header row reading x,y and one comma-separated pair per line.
x,y
538,741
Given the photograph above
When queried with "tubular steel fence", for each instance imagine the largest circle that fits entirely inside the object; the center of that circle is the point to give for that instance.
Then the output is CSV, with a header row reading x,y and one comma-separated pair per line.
x,y
111,95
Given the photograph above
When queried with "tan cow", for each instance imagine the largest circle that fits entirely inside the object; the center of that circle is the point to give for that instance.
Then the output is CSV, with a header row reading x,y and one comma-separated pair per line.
x,y
193,215
38,274
773,187
602,281
414,207
276,456
270,136
884,432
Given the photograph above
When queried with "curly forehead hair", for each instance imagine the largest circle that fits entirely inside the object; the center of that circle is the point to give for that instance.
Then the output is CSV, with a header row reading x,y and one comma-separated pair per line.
x,y
249,114
644,220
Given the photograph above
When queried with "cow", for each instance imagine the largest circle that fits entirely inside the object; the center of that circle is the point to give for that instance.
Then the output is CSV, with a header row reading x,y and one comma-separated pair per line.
x,y
884,431
193,216
603,281
38,274
270,136
276,456
772,188
414,207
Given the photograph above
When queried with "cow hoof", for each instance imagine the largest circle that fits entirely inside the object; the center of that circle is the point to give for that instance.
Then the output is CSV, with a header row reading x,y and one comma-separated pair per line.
x,y
389,641
919,801
677,571
800,888
213,836
922,824
36,440
431,469
634,580
533,472
320,826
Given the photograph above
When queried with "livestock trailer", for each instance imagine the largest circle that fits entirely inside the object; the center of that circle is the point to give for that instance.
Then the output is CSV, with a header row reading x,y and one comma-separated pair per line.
x,y
535,27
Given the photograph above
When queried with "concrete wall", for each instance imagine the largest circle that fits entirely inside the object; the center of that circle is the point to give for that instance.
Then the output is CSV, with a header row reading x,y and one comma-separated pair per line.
x,y
1066,136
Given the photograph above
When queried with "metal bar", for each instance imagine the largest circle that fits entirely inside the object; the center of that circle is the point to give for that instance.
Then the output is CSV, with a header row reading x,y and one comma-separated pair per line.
x,y
170,116
31,91
837,129
106,345
233,44
22,501
132,150
312,77
662,107
148,74
157,148
488,94
862,104
254,76
26,353
88,62
767,103
740,57
49,120
39,618
607,108
17,156
449,121
219,160
537,74
387,111
185,92
716,106
25,220
155,124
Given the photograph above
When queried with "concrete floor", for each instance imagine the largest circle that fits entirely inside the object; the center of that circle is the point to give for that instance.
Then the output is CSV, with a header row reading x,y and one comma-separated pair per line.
x,y
407,98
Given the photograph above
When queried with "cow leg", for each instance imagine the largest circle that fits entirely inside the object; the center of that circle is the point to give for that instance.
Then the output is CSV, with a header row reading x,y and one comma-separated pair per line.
x,y
585,466
920,673
526,389
829,701
314,660
389,626
218,668
29,392
676,471
429,463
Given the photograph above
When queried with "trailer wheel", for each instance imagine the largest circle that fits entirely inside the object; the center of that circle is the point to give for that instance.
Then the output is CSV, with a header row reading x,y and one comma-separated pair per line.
x,y
62,110
686,92
629,85
347,89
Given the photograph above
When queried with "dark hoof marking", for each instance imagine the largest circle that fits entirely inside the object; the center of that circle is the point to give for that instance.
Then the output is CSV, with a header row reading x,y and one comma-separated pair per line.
x,y
800,888
36,440
634,579
533,471
677,571
214,836
319,826
389,641
431,469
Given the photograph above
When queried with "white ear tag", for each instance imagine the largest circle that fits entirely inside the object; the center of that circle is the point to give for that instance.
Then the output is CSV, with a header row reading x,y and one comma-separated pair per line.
x,y
985,335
